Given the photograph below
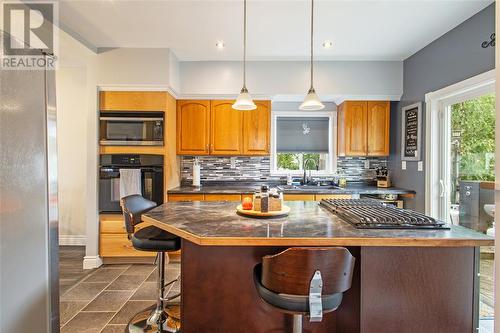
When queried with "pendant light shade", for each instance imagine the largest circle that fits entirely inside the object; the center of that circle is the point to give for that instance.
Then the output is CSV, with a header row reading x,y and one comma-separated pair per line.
x,y
244,101
312,101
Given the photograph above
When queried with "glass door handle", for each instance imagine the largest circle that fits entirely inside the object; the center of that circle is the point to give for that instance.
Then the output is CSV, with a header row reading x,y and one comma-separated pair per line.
x,y
443,188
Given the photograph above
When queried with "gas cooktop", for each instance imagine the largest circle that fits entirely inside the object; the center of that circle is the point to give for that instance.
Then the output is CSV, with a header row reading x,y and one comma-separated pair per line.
x,y
372,214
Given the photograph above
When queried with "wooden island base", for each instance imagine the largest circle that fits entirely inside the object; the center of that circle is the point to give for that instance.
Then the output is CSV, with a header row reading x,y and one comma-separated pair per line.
x,y
395,289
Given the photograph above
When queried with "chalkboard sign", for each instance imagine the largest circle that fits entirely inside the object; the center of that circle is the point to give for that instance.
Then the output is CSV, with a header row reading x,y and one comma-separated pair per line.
x,y
411,132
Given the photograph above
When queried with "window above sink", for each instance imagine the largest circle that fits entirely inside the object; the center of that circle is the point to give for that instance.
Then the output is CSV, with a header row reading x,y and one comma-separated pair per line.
x,y
303,141
292,162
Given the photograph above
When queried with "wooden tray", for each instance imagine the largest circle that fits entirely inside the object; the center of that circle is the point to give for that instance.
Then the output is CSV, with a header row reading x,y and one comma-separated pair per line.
x,y
255,213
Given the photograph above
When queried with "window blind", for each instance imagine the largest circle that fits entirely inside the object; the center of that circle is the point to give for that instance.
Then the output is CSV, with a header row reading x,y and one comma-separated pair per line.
x,y
302,134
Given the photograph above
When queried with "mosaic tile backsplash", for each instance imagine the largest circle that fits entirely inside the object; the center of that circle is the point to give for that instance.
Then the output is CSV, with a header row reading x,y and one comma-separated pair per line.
x,y
353,168
215,168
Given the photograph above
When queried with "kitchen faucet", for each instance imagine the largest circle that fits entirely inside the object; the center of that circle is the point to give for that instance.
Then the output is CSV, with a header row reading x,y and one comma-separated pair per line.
x,y
306,180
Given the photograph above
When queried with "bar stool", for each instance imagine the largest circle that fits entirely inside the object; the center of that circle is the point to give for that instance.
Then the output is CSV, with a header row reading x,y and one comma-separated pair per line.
x,y
305,281
154,318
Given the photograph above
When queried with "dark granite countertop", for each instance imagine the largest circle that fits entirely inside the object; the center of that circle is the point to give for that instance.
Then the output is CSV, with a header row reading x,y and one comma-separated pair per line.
x,y
232,188
214,189
217,223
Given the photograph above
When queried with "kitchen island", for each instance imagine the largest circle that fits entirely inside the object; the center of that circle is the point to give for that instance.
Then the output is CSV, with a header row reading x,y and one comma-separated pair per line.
x,y
404,280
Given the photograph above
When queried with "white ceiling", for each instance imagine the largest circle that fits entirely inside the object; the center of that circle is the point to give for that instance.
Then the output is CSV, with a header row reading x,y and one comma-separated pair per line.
x,y
360,30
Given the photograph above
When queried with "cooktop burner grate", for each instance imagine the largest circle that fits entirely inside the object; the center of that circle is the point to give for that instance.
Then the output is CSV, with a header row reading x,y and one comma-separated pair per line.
x,y
373,214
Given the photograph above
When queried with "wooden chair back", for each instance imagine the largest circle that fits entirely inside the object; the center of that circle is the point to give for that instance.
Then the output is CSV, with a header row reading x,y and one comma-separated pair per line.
x,y
133,207
291,271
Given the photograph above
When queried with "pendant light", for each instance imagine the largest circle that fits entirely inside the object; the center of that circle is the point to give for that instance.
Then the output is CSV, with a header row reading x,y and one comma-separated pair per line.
x,y
244,100
312,102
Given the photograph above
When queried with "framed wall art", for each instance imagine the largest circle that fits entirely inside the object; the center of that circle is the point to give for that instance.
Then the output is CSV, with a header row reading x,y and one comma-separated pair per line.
x,y
411,132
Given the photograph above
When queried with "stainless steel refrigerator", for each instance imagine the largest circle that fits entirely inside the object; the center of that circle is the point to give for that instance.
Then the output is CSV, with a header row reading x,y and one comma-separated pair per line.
x,y
29,297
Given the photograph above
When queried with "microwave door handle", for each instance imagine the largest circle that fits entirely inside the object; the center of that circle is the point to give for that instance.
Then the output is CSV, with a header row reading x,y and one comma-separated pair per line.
x,y
131,119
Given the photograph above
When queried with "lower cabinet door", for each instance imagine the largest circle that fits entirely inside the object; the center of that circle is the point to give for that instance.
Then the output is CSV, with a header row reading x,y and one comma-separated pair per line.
x,y
118,245
222,197
333,196
186,197
112,224
298,197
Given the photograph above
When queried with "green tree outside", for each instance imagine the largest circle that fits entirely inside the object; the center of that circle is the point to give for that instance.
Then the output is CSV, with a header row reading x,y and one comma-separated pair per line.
x,y
292,161
288,161
474,148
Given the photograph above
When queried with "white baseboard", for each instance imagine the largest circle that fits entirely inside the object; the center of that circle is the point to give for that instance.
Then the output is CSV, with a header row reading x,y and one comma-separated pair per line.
x,y
72,240
91,262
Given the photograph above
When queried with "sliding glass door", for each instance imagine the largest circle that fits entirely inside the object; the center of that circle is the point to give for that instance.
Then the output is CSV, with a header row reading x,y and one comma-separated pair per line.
x,y
467,179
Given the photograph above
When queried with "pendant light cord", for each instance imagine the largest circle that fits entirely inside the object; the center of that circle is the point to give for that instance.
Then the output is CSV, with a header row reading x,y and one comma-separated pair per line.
x,y
244,42
312,31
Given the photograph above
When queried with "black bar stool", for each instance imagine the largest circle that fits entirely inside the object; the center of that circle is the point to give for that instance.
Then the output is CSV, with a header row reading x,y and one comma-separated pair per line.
x,y
305,281
155,318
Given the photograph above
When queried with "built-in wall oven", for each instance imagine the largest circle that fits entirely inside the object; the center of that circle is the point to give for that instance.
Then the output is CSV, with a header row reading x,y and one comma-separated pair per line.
x,y
151,168
131,128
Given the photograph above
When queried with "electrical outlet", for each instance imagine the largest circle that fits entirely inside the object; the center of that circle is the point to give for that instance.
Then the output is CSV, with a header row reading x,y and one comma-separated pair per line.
x,y
367,164
420,165
403,165
233,162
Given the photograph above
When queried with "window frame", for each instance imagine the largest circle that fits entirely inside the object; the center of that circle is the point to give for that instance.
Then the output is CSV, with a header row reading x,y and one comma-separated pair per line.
x,y
331,163
437,134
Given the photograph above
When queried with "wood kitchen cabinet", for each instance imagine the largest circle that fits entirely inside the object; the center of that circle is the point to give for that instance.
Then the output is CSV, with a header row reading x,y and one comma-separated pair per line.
x,y
298,197
226,132
378,128
363,128
238,197
215,128
314,197
114,245
113,240
222,197
186,197
132,101
256,129
206,197
352,134
193,127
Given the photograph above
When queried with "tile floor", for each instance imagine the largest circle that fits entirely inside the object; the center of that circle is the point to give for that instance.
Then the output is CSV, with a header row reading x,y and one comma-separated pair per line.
x,y
105,299
70,267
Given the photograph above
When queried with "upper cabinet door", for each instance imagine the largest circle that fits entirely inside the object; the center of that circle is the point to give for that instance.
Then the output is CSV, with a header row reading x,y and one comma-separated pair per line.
x,y
226,132
355,120
256,129
132,101
193,127
341,129
378,128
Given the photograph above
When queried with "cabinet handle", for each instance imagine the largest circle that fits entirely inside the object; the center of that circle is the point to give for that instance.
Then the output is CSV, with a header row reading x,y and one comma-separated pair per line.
x,y
207,148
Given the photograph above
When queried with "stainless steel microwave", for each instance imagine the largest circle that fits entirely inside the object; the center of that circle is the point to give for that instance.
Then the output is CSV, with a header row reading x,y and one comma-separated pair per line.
x,y
131,128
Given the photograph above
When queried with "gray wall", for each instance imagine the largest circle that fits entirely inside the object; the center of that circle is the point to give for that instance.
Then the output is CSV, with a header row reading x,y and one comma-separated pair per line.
x,y
454,57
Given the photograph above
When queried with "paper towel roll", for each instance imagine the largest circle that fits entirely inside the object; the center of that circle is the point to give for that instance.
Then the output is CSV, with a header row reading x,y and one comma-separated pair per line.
x,y
196,175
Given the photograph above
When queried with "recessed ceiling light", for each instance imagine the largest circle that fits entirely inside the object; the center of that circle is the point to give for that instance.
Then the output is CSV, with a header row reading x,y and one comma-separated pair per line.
x,y
219,44
327,44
